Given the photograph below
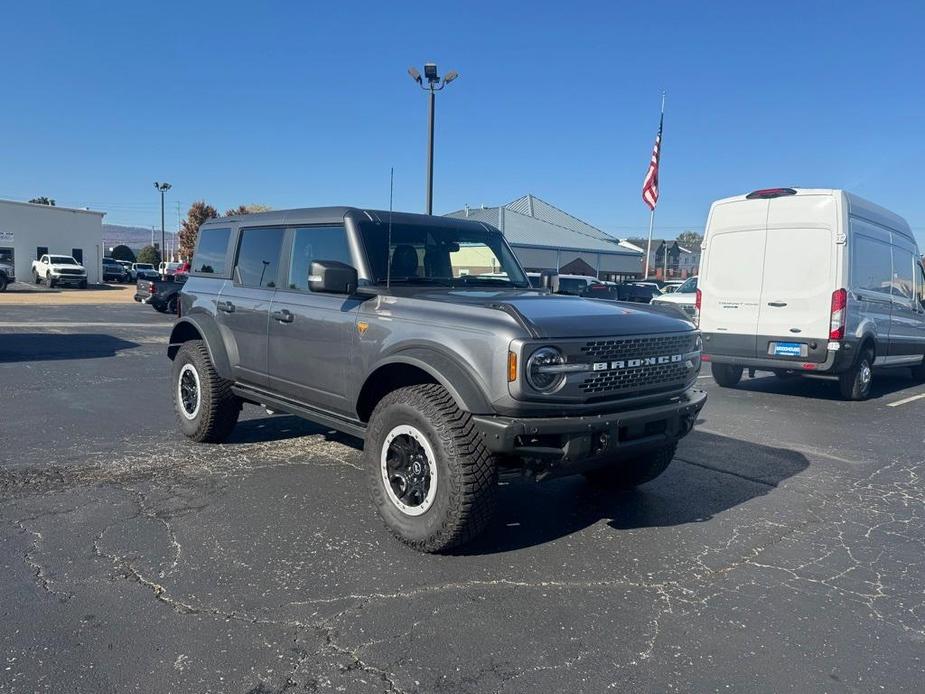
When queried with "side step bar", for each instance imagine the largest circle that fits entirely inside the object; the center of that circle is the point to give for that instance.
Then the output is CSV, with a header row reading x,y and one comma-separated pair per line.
x,y
352,427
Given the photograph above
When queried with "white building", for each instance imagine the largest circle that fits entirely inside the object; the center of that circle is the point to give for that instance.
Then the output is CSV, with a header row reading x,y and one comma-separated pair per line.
x,y
28,231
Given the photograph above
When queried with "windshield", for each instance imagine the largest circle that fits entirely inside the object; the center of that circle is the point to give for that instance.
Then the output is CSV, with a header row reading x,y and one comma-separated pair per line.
x,y
142,266
688,287
434,255
62,260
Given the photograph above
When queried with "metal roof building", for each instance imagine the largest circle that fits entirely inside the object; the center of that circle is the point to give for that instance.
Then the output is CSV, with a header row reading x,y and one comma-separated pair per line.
x,y
547,238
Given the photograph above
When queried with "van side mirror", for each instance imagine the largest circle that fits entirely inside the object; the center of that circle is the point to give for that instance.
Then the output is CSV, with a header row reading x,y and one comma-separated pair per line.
x,y
332,277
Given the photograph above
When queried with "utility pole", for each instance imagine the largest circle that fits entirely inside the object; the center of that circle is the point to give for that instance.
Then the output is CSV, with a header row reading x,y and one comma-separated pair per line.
x,y
434,85
163,188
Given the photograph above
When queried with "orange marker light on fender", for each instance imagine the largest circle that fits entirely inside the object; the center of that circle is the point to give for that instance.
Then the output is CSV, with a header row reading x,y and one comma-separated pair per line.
x,y
511,367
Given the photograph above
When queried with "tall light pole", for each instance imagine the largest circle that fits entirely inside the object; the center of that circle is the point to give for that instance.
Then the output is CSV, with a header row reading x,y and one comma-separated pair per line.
x,y
163,188
434,85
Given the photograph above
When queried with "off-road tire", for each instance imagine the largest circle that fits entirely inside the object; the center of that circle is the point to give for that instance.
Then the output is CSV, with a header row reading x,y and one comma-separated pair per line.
x,y
627,474
854,383
219,407
467,475
726,375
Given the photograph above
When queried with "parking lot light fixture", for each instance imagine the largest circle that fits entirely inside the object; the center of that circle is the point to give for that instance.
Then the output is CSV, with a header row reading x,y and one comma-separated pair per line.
x,y
163,188
434,85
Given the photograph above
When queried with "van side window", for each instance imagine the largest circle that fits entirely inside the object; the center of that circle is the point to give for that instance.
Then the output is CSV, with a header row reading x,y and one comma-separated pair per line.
x,y
315,243
871,265
258,257
903,284
211,251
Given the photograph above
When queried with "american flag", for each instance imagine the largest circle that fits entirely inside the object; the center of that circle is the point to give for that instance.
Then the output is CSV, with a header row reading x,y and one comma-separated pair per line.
x,y
650,183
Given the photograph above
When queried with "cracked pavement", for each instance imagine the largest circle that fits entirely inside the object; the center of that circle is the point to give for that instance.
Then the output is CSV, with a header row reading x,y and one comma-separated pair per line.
x,y
783,550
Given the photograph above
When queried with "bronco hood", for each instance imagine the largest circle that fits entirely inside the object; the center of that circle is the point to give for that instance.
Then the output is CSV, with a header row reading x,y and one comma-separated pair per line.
x,y
562,316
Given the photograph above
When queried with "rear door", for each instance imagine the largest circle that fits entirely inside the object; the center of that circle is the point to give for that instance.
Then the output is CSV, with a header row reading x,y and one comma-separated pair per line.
x,y
730,283
798,277
244,305
907,334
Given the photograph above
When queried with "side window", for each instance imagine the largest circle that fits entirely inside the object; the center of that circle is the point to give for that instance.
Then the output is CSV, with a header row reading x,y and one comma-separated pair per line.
x,y
315,243
871,265
258,257
903,283
920,284
211,251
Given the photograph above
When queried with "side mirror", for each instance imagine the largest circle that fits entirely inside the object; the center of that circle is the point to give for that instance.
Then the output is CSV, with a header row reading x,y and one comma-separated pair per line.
x,y
549,280
332,277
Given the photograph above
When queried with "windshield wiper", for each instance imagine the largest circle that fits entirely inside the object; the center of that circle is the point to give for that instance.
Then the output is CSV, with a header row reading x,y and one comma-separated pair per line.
x,y
503,281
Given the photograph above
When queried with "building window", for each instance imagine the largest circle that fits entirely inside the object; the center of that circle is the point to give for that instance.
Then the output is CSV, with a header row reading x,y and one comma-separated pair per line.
x,y
40,251
78,255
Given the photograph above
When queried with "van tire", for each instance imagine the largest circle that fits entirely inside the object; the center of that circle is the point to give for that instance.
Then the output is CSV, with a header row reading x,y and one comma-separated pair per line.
x,y
854,383
218,408
726,375
627,474
466,475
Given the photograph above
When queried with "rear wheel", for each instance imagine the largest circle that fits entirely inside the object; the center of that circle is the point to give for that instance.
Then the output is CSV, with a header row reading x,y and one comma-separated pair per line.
x,y
726,375
854,384
172,305
3,283
35,278
631,473
432,480
207,410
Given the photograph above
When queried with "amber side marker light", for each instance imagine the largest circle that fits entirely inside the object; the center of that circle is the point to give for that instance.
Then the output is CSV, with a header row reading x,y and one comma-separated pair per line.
x,y
511,367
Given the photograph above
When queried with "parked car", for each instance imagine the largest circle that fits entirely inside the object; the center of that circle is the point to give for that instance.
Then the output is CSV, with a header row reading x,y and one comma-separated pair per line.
x,y
144,271
167,269
575,284
59,269
113,271
620,292
684,298
368,323
163,295
815,282
7,272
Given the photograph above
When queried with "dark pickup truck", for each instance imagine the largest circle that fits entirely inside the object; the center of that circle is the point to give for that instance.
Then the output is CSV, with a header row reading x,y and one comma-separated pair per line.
x,y
163,295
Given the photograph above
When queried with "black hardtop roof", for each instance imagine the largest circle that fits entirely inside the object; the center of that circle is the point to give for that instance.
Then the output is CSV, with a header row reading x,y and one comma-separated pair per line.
x,y
336,215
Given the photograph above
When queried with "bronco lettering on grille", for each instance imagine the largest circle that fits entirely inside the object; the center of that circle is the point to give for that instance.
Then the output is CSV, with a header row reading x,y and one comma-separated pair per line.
x,y
623,364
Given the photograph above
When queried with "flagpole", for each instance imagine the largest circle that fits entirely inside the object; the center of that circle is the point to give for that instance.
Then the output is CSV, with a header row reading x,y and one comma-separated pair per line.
x,y
652,212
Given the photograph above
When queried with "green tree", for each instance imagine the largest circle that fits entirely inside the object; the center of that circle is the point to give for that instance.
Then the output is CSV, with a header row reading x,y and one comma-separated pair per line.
x,y
690,240
199,212
42,200
149,254
123,252
247,209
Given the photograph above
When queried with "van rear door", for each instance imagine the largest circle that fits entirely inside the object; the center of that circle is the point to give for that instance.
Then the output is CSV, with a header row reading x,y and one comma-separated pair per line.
x,y
730,283
798,277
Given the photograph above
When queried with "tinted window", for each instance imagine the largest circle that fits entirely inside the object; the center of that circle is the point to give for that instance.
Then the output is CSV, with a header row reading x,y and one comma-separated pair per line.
x,y
211,251
315,243
570,285
871,266
689,287
903,280
258,257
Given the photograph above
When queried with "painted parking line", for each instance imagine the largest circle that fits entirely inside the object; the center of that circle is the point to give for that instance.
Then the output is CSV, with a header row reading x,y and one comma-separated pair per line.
x,y
905,401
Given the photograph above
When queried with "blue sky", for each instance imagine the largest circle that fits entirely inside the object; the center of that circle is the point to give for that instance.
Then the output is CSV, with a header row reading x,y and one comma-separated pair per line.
x,y
302,104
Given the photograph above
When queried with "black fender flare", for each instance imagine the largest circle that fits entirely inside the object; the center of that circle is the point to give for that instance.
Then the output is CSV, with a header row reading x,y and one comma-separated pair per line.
x,y
187,327
460,382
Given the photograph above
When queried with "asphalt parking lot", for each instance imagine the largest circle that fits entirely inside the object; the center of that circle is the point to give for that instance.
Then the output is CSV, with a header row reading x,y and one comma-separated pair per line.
x,y
784,550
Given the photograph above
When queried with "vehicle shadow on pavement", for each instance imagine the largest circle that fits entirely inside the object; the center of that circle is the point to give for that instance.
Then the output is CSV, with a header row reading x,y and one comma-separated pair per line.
x,y
20,347
262,429
884,383
709,475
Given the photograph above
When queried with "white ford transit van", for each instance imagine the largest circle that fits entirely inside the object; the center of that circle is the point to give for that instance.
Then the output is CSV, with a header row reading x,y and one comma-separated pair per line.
x,y
810,281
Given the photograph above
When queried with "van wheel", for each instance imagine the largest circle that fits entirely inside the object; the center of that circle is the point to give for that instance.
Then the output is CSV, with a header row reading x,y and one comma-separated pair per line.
x,y
726,375
207,410
432,480
855,382
627,474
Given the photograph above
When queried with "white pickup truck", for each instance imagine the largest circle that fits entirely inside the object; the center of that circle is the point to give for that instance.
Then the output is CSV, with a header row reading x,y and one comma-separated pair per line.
x,y
59,269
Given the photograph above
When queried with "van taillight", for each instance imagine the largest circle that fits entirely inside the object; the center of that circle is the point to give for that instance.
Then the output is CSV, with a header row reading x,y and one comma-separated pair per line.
x,y
837,320
697,301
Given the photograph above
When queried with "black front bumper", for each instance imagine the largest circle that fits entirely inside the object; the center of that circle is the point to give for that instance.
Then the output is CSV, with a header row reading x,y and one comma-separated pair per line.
x,y
566,445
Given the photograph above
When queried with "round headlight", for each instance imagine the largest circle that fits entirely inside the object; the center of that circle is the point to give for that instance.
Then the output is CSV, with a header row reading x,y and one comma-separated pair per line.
x,y
539,378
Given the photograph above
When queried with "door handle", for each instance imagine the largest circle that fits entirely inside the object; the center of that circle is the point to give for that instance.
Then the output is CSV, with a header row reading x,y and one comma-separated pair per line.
x,y
777,304
283,316
225,306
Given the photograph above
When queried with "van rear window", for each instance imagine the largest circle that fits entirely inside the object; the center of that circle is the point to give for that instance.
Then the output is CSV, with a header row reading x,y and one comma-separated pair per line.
x,y
212,251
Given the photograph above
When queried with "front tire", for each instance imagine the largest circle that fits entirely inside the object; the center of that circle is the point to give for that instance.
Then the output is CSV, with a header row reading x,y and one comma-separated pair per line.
x,y
83,284
432,480
854,383
631,473
49,281
207,410
726,375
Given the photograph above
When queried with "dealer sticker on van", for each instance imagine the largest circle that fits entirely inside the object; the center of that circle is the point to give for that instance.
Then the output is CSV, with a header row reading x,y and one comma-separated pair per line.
x,y
787,349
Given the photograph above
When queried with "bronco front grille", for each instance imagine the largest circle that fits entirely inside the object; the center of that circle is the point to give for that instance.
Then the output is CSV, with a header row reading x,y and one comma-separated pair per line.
x,y
639,378
633,347
632,378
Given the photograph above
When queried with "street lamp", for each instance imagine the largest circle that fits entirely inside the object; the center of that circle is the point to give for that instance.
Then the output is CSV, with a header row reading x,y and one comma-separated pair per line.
x,y
163,188
434,85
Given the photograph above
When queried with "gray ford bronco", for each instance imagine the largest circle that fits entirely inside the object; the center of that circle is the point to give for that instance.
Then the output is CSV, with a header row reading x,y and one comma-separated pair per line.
x,y
422,336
